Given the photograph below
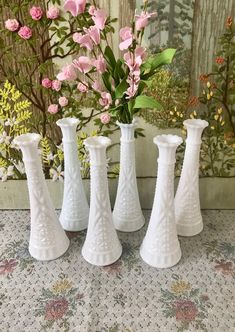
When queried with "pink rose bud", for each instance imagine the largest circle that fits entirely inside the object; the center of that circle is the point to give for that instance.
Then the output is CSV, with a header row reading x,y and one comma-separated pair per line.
x,y
63,101
36,13
91,10
53,109
25,32
82,87
12,25
105,118
56,85
46,83
53,13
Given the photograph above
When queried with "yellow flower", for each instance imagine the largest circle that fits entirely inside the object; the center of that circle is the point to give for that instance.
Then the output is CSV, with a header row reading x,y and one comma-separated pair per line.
x,y
181,115
222,123
191,116
216,117
204,92
211,93
208,96
174,120
179,287
208,85
194,113
212,127
178,113
171,113
220,110
61,286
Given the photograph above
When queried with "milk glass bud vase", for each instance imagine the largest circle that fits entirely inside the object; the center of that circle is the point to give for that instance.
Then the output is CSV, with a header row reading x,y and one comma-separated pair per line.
x,y
127,213
102,246
75,209
160,247
187,203
47,238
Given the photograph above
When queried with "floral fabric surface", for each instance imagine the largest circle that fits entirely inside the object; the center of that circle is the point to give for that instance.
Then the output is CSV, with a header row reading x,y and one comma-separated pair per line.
x,y
69,294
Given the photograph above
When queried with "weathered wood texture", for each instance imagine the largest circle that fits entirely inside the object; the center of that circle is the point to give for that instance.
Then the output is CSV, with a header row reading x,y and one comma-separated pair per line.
x,y
208,24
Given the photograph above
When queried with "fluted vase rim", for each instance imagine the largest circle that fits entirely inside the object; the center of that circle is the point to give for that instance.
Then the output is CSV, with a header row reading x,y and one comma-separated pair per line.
x,y
67,122
195,123
97,142
167,140
27,139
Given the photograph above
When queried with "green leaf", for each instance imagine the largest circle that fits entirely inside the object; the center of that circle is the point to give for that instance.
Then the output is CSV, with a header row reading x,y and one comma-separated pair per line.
x,y
110,58
106,80
163,58
121,88
146,102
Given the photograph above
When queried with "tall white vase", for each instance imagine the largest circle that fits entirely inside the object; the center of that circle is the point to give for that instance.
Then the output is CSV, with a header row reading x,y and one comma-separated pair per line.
x,y
127,213
47,237
75,209
160,247
187,203
102,246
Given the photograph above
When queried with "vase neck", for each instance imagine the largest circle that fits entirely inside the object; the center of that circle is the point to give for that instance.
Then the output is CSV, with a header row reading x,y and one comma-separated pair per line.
x,y
69,134
127,131
167,155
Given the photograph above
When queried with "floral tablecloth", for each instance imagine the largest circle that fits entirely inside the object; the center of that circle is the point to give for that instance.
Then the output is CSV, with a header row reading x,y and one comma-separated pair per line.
x,y
69,294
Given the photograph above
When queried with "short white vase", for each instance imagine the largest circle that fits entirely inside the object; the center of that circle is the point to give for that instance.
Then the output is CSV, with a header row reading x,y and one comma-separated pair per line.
x,y
47,238
160,247
127,213
75,210
102,246
187,203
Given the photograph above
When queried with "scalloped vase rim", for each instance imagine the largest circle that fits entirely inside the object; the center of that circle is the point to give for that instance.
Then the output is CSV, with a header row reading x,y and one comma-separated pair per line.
x,y
27,139
128,125
97,142
167,140
67,122
196,123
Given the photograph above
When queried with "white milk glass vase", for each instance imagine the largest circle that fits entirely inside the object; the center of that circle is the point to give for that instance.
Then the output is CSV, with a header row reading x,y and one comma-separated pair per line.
x,y
127,213
187,203
160,247
102,246
47,238
75,209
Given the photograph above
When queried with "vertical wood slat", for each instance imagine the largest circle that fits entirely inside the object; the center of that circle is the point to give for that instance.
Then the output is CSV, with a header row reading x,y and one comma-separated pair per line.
x,y
208,24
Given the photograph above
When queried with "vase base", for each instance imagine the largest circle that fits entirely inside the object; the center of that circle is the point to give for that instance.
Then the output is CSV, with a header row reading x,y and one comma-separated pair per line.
x,y
160,261
189,229
74,225
49,253
102,258
128,224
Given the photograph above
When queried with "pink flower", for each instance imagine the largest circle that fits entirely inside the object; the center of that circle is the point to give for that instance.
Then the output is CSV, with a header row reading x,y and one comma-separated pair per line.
x,y
68,73
12,25
131,91
105,99
46,83
99,18
75,7
126,37
53,109
100,64
133,63
83,40
91,10
55,309
25,32
56,85
36,13
97,86
94,34
83,63
53,13
82,87
142,20
140,51
63,101
105,118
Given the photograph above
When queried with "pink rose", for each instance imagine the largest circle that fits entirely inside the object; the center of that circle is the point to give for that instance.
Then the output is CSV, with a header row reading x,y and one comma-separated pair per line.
x,y
83,40
91,10
97,86
105,118
141,21
53,13
56,85
12,25
83,63
25,32
46,83
99,18
100,64
105,99
75,7
94,33
63,101
68,73
126,37
82,87
36,13
53,109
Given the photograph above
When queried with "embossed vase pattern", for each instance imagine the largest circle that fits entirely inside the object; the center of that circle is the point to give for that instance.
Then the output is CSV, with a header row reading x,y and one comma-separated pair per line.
x,y
127,213
102,246
47,238
160,247
187,203
75,209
